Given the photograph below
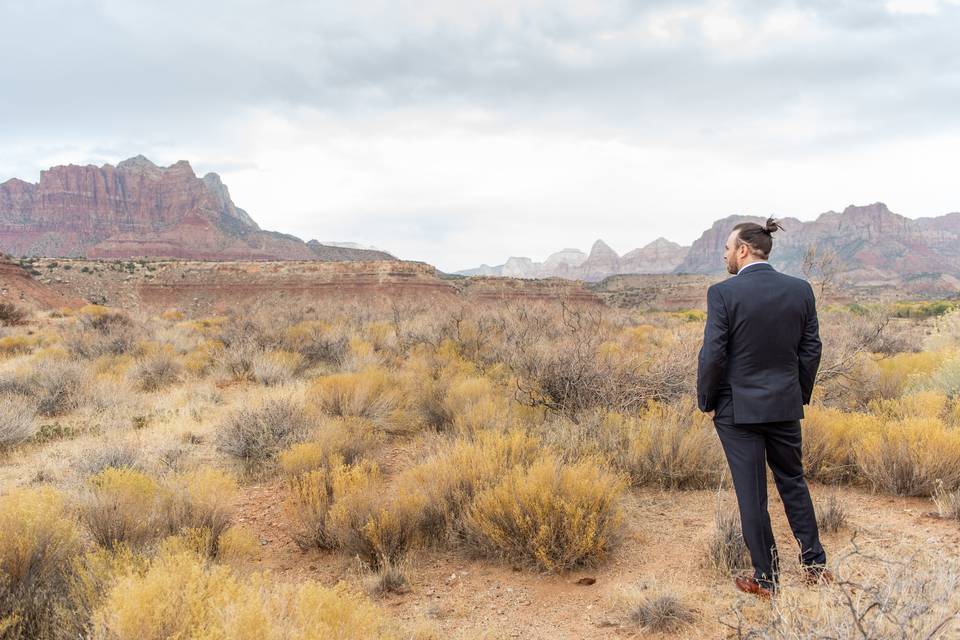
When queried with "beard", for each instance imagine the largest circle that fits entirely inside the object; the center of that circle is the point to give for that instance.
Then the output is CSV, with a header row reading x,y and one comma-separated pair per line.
x,y
732,266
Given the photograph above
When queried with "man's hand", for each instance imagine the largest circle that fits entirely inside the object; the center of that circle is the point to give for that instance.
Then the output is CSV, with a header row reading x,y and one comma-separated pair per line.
x,y
711,412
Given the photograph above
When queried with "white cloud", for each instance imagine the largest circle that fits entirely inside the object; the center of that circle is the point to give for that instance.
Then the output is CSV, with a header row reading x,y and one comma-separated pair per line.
x,y
461,132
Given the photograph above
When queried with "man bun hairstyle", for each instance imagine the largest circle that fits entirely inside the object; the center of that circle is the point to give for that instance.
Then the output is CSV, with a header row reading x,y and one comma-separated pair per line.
x,y
758,237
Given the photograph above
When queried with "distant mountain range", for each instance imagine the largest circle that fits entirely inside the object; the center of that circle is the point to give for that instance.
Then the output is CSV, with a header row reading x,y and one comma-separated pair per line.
x,y
138,209
870,245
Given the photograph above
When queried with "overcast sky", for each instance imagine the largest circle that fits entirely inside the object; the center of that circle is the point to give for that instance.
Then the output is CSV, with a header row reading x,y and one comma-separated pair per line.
x,y
460,132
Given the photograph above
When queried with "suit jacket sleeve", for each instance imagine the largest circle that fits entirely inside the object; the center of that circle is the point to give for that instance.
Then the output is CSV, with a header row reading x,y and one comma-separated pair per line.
x,y
712,360
808,353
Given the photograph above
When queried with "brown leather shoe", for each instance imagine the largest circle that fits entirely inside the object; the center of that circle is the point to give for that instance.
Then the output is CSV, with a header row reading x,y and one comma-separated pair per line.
x,y
750,585
817,575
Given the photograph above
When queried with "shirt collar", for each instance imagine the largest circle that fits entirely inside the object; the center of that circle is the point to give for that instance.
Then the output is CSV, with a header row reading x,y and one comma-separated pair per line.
x,y
746,266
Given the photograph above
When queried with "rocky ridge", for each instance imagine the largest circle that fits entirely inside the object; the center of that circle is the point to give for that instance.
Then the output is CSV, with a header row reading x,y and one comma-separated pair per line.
x,y
139,209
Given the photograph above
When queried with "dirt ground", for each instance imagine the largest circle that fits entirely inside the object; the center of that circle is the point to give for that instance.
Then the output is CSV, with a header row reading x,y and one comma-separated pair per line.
x,y
663,549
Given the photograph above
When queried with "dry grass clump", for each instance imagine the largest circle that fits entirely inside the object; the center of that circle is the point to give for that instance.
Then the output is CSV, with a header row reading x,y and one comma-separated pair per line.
x,y
365,522
16,420
156,371
181,596
670,446
128,508
255,435
831,514
271,368
370,393
453,476
17,344
829,440
101,331
310,496
318,342
550,515
60,386
655,610
344,506
93,460
910,457
726,551
125,507
676,448
947,502
202,503
346,439
38,541
11,315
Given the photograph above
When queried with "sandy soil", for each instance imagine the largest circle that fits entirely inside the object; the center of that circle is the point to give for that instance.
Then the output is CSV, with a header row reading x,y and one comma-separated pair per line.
x,y
663,549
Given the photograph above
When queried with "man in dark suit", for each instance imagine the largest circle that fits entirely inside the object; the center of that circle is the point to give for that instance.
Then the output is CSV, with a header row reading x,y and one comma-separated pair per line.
x,y
760,354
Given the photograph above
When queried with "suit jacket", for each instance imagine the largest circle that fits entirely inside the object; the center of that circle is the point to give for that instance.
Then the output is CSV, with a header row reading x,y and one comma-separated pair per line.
x,y
761,347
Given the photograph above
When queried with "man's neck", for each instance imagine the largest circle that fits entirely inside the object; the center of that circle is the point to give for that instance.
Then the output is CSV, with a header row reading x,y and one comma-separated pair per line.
x,y
752,262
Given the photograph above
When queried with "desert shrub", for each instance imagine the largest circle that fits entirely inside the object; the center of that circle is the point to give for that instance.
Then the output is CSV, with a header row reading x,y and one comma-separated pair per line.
x,y
17,344
551,515
906,370
453,476
676,448
944,379
927,309
255,435
101,331
474,405
310,496
275,367
125,507
657,611
427,376
671,446
237,544
16,419
156,371
59,386
831,514
236,359
346,439
38,542
364,523
829,440
122,455
370,393
726,551
947,502
11,314
180,596
923,404
172,315
317,342
909,457
202,501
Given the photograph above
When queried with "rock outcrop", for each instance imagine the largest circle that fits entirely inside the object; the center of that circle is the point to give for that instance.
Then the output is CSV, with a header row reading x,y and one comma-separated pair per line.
x,y
871,244
137,209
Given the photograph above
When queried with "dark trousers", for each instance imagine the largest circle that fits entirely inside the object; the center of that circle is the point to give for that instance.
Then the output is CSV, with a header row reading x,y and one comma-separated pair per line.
x,y
749,449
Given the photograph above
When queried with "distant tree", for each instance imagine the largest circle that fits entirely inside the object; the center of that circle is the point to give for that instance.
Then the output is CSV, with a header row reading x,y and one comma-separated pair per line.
x,y
820,266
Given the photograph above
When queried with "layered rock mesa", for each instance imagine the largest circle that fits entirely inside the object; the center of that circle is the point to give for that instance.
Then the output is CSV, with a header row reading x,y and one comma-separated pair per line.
x,y
138,209
204,286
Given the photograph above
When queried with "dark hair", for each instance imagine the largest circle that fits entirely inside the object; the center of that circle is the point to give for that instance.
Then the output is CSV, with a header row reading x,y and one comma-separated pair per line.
x,y
758,237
